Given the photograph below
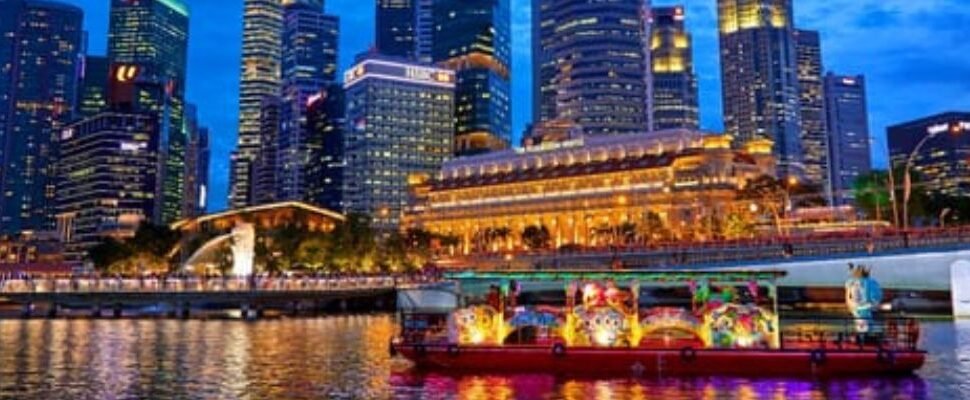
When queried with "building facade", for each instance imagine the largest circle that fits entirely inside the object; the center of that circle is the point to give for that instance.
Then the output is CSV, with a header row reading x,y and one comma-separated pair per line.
x,y
40,44
263,170
811,96
939,147
675,102
196,165
473,38
399,121
404,28
309,65
586,191
93,86
152,35
759,77
259,77
325,142
591,64
109,179
847,123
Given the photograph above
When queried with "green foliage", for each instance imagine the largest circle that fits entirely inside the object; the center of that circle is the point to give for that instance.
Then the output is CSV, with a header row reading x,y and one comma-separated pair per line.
x,y
536,237
148,251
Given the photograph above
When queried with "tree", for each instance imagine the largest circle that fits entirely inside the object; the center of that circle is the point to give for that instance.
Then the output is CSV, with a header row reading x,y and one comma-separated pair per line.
x,y
536,237
150,250
653,228
769,194
871,192
354,246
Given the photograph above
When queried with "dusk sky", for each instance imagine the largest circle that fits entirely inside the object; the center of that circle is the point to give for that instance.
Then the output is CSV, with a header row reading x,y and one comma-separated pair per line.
x,y
914,53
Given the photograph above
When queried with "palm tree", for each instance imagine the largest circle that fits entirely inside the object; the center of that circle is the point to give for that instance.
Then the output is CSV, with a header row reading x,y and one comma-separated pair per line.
x,y
536,237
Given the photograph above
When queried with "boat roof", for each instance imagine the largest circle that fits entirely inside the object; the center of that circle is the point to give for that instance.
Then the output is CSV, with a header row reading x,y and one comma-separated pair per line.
x,y
643,276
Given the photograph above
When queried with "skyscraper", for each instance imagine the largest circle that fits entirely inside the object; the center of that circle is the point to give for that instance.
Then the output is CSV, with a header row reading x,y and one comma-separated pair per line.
x,y
404,28
472,37
939,146
815,153
93,86
153,35
260,77
674,82
263,171
196,164
847,123
109,178
309,65
759,77
399,119
40,42
325,142
591,64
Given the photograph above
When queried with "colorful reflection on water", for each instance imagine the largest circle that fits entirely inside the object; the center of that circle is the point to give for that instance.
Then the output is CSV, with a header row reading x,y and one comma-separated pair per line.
x,y
346,357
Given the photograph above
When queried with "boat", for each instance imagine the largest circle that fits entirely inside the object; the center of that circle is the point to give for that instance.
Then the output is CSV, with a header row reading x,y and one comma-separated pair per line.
x,y
603,322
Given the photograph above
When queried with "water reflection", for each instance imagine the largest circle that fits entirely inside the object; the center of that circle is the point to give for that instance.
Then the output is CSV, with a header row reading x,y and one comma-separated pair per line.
x,y
346,357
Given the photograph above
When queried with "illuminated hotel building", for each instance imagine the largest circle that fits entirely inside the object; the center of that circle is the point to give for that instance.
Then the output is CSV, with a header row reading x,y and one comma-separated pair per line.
x,y
153,35
40,42
674,82
109,178
259,77
759,77
591,64
309,65
399,121
580,186
472,37
847,122
941,163
811,97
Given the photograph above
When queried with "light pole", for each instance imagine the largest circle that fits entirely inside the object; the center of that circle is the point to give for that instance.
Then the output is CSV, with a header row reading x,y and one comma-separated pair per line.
x,y
907,178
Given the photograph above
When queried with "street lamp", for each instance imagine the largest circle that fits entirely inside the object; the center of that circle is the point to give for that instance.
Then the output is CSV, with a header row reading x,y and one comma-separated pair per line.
x,y
907,177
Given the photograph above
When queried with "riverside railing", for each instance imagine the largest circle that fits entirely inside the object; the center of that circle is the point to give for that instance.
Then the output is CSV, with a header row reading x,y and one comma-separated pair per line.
x,y
204,285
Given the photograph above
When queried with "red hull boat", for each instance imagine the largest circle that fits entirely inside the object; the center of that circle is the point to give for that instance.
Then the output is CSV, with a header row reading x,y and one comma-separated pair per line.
x,y
663,362
594,323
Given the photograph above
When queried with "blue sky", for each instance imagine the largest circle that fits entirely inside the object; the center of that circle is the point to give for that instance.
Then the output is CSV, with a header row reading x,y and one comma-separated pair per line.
x,y
914,53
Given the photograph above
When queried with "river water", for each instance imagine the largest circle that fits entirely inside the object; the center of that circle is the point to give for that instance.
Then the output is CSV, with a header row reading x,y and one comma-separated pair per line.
x,y
346,357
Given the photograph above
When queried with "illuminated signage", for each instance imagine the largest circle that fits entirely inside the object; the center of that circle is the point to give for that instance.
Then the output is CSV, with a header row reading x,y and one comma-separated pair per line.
x,y
126,73
398,71
956,127
848,81
133,146
67,134
938,128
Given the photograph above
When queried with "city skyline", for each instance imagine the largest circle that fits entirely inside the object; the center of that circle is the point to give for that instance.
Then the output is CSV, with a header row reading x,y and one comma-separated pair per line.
x,y
909,75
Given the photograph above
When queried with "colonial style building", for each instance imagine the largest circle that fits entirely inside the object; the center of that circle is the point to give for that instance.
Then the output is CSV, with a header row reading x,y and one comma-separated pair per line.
x,y
581,190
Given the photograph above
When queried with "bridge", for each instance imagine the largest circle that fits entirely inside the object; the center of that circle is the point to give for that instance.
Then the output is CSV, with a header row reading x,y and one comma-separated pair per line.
x,y
180,297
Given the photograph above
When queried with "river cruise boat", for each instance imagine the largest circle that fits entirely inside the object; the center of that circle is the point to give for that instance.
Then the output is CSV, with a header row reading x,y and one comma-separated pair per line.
x,y
624,322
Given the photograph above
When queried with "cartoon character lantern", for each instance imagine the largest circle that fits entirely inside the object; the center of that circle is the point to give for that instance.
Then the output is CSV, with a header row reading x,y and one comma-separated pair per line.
x,y
862,295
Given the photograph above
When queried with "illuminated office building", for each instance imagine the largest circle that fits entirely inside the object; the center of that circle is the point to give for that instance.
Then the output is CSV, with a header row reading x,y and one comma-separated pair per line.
x,y
109,178
325,143
263,171
942,162
811,97
591,64
93,86
404,28
309,65
399,121
259,77
582,188
674,82
40,42
847,124
152,35
196,164
759,77
472,37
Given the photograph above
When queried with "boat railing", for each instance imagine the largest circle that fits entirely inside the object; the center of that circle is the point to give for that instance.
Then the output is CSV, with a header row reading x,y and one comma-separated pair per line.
x,y
888,333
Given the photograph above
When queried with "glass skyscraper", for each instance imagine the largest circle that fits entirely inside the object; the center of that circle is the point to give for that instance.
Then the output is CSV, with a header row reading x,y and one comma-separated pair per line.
x,y
259,77
325,142
153,36
811,97
93,86
399,122
40,43
309,65
942,164
759,77
847,122
674,82
472,37
591,64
